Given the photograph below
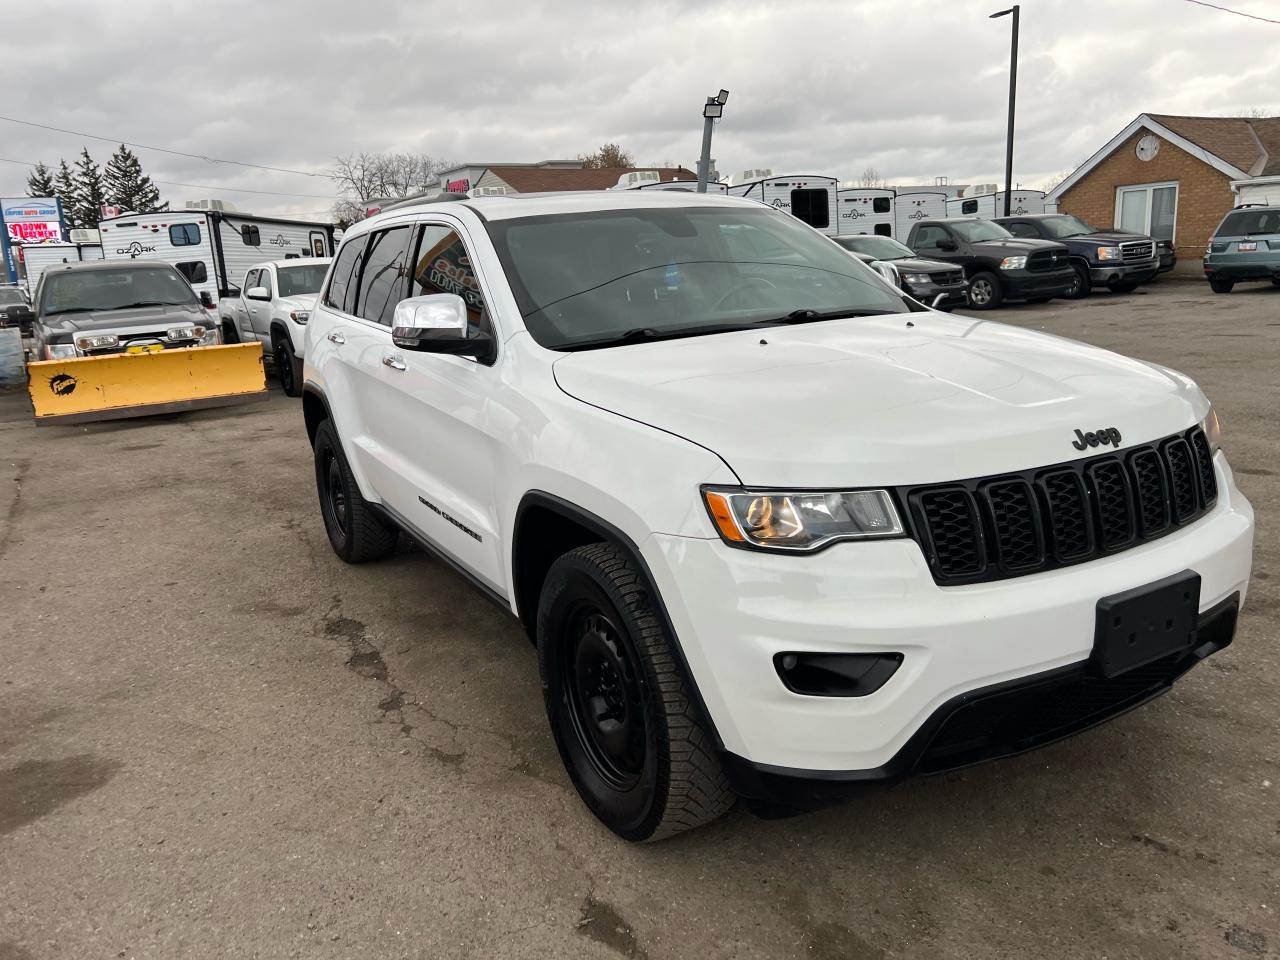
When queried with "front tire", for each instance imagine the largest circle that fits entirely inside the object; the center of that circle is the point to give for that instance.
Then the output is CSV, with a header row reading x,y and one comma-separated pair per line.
x,y
229,334
288,367
985,291
356,533
1083,285
1221,286
620,706
1123,286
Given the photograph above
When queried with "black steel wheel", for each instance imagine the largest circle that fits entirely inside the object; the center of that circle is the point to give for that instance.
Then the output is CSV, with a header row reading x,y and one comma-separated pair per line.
x,y
622,710
1083,284
288,367
355,532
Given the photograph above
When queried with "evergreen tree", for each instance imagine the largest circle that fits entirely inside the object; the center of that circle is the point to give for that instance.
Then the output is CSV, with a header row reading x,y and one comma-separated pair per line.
x,y
66,190
90,194
40,182
128,187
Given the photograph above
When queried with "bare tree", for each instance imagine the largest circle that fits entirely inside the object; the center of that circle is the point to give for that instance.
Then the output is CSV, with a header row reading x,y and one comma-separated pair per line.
x,y
609,155
1251,113
871,178
364,176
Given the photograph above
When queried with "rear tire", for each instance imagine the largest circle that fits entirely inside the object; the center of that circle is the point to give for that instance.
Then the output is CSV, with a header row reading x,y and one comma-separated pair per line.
x,y
356,533
1083,285
1123,286
621,709
985,292
229,334
1275,281
1221,286
288,366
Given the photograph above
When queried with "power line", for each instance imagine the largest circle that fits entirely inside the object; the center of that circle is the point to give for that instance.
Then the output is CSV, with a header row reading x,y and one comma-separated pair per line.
x,y
176,153
1238,13
206,186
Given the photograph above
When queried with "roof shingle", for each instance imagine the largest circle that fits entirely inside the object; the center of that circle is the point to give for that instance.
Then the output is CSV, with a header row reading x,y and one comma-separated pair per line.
x,y
1243,142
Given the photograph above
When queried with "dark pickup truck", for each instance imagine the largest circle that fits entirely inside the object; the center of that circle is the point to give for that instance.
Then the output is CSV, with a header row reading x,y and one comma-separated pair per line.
x,y
1113,258
998,265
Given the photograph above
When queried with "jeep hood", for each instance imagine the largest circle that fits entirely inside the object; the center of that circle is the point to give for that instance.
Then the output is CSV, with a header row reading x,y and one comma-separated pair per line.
x,y
876,401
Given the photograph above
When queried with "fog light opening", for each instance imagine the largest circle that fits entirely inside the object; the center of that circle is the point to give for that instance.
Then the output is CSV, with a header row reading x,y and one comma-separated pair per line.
x,y
836,674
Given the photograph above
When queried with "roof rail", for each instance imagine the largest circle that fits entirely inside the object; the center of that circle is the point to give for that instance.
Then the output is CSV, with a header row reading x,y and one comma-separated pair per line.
x,y
423,198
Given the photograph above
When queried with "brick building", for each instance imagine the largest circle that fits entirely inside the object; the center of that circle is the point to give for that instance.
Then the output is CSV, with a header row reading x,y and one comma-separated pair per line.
x,y
1171,177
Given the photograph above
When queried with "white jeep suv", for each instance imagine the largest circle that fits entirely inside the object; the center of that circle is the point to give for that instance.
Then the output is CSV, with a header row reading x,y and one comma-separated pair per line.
x,y
776,529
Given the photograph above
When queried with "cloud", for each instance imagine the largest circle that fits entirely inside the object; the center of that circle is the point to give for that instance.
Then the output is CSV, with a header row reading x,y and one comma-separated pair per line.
x,y
915,88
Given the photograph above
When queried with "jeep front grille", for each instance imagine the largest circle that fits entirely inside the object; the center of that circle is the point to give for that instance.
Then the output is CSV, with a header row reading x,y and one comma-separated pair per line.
x,y
993,528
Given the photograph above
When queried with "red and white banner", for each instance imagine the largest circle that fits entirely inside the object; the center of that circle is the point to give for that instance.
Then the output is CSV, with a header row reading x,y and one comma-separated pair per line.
x,y
35,231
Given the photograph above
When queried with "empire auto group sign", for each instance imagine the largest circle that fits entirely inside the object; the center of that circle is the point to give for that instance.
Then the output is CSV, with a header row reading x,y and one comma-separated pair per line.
x,y
32,220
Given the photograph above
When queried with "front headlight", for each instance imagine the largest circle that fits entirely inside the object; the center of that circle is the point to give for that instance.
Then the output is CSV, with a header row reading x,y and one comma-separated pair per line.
x,y
916,277
101,342
59,351
300,316
802,520
1109,253
1212,428
185,333
1013,263
212,336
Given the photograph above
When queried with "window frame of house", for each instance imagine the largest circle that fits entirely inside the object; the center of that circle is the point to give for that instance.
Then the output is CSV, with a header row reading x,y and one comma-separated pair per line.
x,y
1149,189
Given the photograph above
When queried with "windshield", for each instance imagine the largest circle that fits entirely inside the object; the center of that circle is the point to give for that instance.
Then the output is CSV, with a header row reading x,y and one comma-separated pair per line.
x,y
975,230
1065,225
882,248
12,296
302,280
589,278
83,290
1244,223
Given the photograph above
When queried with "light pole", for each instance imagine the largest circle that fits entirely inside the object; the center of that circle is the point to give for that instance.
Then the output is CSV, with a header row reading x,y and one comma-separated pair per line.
x,y
712,111
1013,89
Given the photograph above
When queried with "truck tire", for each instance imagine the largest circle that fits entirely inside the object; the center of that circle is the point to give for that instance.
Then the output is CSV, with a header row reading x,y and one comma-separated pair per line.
x,y
288,366
229,334
1221,286
1084,283
985,292
1123,286
629,732
356,533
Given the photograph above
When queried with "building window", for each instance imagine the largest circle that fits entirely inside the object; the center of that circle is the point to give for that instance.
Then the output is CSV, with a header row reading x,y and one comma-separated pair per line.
x,y
812,206
251,236
195,271
1149,208
184,234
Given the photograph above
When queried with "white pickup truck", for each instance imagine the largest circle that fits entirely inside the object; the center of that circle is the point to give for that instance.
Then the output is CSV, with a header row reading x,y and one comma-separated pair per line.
x,y
273,307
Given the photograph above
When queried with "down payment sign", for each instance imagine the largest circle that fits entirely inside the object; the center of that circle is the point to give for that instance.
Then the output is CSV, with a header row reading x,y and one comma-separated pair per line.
x,y
32,221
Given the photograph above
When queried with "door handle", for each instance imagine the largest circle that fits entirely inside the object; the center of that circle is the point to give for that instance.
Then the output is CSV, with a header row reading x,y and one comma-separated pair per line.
x,y
336,337
394,362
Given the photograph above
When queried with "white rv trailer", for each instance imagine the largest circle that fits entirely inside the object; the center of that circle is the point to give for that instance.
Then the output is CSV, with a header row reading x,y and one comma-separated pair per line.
x,y
866,210
811,198
908,208
38,257
212,248
990,205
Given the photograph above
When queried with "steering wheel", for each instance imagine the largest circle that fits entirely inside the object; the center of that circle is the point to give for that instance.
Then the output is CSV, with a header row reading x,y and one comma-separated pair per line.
x,y
742,285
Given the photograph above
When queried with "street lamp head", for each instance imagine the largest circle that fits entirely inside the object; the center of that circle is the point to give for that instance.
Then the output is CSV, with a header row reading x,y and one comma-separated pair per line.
x,y
723,97
714,109
1002,13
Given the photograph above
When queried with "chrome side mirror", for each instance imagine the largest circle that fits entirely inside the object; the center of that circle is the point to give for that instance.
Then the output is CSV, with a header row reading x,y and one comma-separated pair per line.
x,y
437,323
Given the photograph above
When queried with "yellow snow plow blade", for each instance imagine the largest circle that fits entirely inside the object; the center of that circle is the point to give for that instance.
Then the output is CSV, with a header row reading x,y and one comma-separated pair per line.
x,y
83,389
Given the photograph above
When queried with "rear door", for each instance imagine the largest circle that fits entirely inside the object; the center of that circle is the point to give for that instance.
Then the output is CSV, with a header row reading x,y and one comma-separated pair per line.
x,y
261,309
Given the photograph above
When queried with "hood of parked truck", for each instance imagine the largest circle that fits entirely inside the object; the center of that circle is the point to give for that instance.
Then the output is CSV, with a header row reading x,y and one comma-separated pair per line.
x,y
895,399
1018,245
305,301
64,326
1104,237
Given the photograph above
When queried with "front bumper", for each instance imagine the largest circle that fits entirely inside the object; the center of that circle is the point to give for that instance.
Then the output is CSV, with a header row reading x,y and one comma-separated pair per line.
x,y
956,295
1115,272
1025,284
733,610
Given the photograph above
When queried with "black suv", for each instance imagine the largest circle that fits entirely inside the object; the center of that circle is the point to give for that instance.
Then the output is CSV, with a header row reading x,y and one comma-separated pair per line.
x,y
1113,258
925,280
998,265
15,311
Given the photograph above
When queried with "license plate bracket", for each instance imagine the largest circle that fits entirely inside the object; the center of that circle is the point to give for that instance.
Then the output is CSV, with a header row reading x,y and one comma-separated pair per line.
x,y
1145,624
145,348
1247,246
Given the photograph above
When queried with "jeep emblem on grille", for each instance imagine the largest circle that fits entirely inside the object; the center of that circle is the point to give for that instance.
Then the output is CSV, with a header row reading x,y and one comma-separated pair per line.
x,y
1108,436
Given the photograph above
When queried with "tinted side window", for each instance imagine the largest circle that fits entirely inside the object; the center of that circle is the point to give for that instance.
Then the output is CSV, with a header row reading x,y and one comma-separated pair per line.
x,y
929,236
382,281
250,281
812,207
341,294
251,236
264,280
195,271
1021,229
184,234
968,207
880,205
884,230
443,266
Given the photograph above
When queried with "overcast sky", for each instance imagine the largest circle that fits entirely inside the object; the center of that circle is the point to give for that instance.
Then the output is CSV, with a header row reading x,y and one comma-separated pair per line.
x,y
913,88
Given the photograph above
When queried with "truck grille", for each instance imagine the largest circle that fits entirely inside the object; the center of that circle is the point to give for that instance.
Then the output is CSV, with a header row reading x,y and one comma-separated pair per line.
x,y
949,278
993,528
1043,260
1137,250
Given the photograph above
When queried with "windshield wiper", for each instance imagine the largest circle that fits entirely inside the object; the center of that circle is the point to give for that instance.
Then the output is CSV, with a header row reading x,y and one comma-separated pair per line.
x,y
148,303
74,310
809,316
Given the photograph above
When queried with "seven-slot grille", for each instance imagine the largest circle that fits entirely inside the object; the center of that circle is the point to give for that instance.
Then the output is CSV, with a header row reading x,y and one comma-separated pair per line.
x,y
949,278
993,528
1137,250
